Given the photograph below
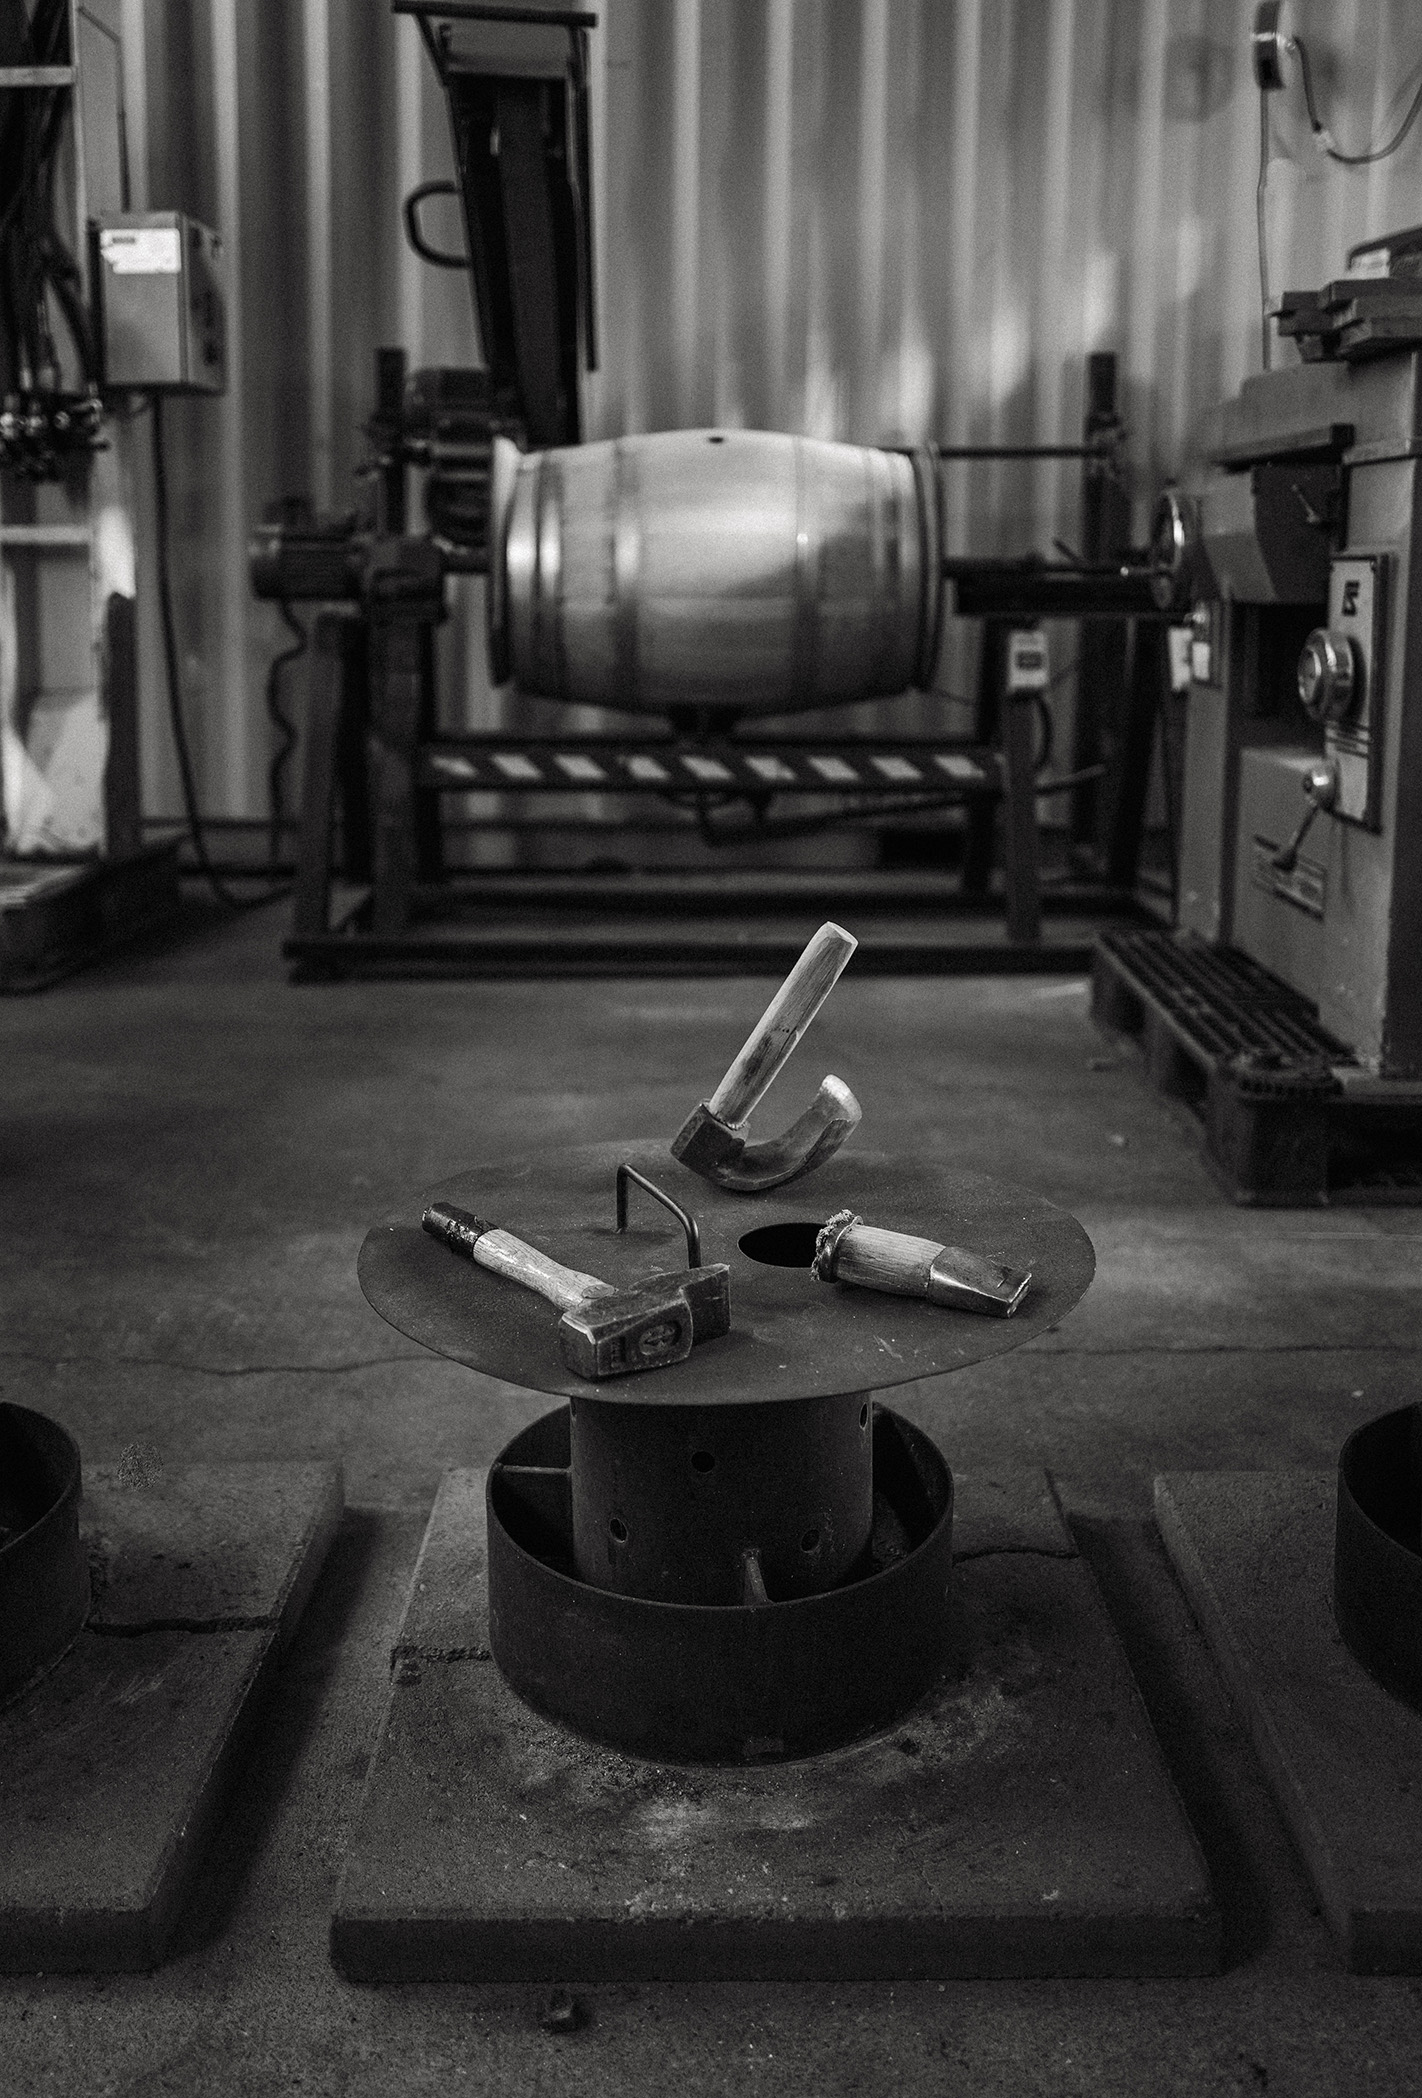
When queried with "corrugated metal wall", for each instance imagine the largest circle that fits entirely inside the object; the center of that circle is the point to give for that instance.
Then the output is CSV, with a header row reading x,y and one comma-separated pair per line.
x,y
873,219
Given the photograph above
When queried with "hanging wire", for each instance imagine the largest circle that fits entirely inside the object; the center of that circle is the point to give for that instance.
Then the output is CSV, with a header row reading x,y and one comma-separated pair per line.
x,y
1259,226
175,703
31,127
1323,138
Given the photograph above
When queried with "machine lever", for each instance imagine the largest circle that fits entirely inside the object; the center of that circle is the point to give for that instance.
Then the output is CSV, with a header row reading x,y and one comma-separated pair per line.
x,y
1320,784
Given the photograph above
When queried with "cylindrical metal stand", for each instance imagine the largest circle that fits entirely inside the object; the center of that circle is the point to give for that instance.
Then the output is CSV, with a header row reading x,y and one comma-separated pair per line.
x,y
740,1555
44,1572
728,1682
1377,1564
672,1502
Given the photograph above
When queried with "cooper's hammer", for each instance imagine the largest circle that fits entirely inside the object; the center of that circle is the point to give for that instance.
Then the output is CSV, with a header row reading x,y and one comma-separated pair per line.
x,y
604,1331
712,1141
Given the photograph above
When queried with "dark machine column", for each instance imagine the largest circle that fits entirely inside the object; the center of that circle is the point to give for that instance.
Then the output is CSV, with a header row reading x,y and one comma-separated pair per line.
x,y
1102,646
404,601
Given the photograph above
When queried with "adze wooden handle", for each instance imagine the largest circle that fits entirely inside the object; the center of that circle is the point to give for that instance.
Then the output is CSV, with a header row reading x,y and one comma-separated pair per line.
x,y
782,1023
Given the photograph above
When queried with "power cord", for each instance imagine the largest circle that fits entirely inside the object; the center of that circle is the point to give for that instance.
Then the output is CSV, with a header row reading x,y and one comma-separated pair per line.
x,y
175,706
38,275
1265,347
1323,138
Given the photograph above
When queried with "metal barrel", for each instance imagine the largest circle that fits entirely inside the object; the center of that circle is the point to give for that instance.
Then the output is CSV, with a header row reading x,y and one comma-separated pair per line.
x,y
713,568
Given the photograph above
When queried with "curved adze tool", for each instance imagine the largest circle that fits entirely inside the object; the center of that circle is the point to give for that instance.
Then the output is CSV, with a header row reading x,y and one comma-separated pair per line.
x,y
713,1142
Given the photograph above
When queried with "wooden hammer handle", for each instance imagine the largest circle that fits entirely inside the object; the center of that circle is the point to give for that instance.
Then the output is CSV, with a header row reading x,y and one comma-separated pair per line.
x,y
782,1023
503,1254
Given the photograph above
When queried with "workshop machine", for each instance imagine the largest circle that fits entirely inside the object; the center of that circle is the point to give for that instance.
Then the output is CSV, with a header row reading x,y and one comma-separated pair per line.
x,y
105,308
710,580
1295,970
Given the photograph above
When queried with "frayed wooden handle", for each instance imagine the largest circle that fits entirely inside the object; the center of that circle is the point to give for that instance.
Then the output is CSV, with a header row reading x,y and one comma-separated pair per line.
x,y
886,1260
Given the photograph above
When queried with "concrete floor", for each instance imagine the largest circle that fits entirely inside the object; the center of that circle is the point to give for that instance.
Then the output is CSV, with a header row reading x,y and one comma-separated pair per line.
x,y
191,1150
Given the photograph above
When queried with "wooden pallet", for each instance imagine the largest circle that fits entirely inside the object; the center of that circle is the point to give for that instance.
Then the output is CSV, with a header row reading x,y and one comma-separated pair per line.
x,y
56,916
1290,1119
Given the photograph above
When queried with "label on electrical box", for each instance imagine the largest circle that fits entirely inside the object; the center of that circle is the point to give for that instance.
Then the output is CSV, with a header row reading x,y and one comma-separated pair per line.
x,y
1182,645
142,251
1027,660
1355,607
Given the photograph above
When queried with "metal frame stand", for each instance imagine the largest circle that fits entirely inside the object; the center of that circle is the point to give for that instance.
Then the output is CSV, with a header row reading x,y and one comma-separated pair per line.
x,y
369,859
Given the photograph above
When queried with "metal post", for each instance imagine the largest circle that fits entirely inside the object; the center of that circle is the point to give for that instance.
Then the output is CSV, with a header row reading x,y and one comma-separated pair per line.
x,y
1101,644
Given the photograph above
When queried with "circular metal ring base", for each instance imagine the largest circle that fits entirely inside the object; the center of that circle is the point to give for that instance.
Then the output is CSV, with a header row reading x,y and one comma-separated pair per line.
x,y
720,1683
1377,1563
44,1571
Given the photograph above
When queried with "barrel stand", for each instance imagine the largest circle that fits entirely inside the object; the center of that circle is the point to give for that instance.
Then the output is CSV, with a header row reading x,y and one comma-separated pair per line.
x,y
374,772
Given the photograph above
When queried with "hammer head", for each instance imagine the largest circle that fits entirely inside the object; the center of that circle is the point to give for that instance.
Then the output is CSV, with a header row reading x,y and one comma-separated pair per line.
x,y
658,1322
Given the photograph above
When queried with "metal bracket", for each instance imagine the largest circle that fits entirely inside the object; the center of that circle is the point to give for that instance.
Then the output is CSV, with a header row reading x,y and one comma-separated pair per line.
x,y
625,1175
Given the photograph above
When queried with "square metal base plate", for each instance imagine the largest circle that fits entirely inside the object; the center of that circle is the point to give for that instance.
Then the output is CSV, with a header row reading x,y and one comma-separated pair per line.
x,y
115,1766
1019,1821
1254,1552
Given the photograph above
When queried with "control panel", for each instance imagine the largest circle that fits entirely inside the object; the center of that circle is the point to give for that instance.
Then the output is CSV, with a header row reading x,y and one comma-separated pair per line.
x,y
1342,674
159,303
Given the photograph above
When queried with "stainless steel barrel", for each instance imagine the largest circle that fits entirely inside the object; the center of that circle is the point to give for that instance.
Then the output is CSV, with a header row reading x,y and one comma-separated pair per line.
x,y
735,569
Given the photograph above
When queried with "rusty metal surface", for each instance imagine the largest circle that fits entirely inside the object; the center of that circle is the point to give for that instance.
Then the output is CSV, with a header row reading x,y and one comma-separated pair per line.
x,y
790,1337
1019,1820
117,1764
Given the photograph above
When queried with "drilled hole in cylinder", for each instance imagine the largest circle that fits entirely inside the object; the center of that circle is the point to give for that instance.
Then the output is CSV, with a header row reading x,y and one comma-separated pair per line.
x,y
781,1245
864,1416
617,1530
702,1461
810,1542
716,439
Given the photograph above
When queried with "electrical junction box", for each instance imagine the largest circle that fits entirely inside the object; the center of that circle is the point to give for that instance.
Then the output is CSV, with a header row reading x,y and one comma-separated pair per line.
x,y
1027,665
159,306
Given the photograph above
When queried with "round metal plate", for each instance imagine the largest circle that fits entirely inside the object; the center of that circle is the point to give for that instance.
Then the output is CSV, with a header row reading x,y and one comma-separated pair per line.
x,y
44,1572
791,1337
1377,1563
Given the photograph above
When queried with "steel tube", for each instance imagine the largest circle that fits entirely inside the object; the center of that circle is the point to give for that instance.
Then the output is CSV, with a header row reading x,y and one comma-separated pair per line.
x,y
669,1500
